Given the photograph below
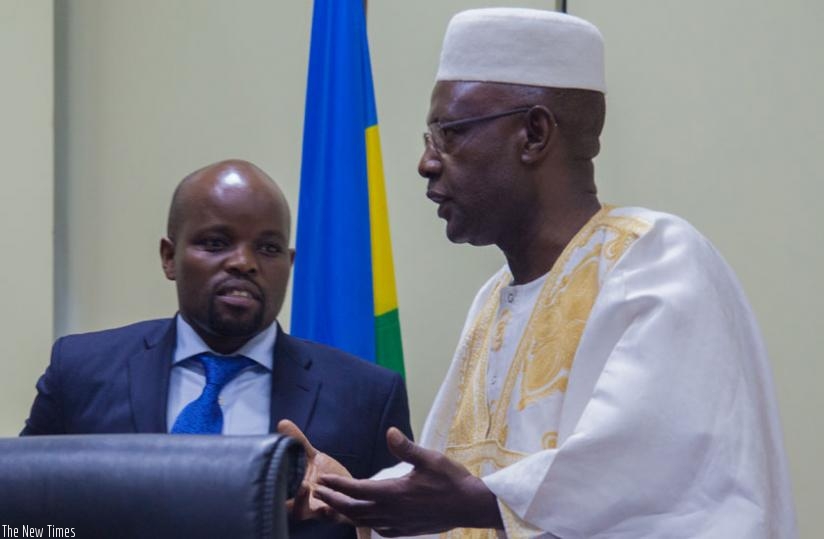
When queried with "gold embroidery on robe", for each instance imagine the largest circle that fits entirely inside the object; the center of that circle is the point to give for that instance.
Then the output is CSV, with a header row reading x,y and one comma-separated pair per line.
x,y
469,533
500,330
550,440
543,358
553,338
471,420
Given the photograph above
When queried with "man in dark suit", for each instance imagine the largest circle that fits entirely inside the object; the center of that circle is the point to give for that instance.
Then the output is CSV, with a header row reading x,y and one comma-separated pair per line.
x,y
227,249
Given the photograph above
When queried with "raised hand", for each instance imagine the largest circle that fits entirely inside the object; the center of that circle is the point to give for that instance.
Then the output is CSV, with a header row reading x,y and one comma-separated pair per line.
x,y
437,495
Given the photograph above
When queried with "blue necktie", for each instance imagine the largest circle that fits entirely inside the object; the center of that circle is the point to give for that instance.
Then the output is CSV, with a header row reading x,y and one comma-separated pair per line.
x,y
203,415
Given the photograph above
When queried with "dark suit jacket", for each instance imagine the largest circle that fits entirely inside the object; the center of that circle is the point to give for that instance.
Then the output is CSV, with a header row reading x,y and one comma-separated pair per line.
x,y
116,381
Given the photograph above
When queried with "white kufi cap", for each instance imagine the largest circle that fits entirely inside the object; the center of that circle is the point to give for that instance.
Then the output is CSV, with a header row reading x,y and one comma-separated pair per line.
x,y
523,46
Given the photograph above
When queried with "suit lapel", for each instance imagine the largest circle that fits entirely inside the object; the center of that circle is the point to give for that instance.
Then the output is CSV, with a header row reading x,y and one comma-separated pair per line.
x,y
294,386
149,379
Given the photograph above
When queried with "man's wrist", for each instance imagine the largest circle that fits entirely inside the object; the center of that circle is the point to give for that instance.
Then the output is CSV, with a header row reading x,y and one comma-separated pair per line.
x,y
484,512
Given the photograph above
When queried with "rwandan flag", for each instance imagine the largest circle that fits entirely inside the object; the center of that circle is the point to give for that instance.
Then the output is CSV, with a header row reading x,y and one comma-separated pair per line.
x,y
344,291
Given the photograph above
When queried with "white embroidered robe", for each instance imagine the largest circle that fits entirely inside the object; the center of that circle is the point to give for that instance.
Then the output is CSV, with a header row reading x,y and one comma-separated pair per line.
x,y
625,394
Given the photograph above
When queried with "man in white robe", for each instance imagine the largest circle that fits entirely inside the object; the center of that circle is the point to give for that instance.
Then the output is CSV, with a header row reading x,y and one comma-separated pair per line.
x,y
610,380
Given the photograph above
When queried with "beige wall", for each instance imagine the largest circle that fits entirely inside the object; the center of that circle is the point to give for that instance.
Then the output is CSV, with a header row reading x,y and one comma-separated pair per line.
x,y
149,91
26,154
713,114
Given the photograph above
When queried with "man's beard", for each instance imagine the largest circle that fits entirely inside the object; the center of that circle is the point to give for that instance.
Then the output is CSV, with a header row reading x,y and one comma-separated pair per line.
x,y
233,327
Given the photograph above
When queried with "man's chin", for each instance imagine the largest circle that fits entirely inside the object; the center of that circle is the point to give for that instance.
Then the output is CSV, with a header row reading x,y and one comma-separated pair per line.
x,y
456,234
236,328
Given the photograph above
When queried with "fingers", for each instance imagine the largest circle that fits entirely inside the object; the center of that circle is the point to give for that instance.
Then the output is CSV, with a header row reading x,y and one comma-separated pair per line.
x,y
367,491
287,428
405,449
362,489
305,506
345,506
297,506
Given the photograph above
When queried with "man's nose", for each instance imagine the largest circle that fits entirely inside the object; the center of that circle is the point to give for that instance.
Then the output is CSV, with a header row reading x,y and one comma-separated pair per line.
x,y
242,259
430,164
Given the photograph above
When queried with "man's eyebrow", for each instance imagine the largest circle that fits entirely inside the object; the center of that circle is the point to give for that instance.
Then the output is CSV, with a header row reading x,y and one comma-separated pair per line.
x,y
278,234
219,228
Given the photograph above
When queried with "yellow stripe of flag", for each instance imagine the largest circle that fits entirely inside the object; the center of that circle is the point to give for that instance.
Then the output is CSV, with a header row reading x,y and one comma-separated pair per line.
x,y
383,270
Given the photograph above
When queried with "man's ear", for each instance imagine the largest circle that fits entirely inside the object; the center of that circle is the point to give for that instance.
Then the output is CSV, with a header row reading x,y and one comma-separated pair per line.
x,y
167,257
292,257
541,129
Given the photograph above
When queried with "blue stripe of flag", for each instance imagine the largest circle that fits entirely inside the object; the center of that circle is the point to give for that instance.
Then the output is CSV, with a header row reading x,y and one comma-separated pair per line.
x,y
332,295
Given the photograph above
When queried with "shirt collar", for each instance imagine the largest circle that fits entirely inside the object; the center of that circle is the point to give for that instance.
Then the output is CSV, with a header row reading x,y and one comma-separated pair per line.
x,y
259,348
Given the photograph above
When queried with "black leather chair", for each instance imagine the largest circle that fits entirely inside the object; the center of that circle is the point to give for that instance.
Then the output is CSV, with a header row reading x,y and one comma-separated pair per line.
x,y
149,485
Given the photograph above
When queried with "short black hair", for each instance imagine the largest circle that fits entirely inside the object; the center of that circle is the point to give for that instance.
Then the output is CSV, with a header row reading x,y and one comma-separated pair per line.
x,y
580,115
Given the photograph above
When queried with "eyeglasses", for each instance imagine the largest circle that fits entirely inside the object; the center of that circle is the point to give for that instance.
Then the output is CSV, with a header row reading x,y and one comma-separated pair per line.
x,y
438,134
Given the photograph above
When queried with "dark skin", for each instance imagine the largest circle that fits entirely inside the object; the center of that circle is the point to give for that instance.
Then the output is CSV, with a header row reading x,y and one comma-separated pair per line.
x,y
521,183
525,184
437,495
227,249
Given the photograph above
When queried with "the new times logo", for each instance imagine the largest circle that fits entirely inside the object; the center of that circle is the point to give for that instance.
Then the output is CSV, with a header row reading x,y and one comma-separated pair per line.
x,y
37,531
